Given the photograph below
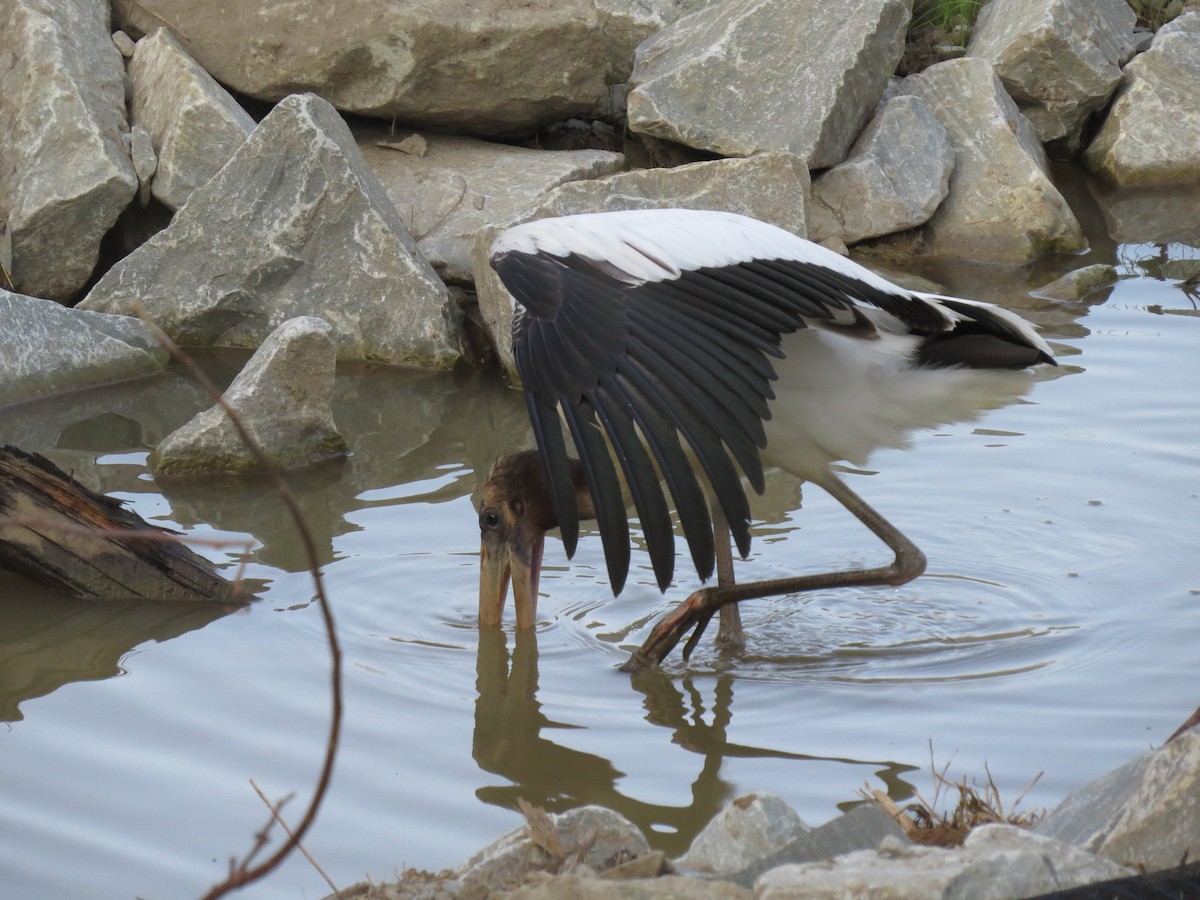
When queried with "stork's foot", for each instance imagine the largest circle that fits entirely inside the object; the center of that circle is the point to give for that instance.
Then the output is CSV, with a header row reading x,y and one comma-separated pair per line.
x,y
693,614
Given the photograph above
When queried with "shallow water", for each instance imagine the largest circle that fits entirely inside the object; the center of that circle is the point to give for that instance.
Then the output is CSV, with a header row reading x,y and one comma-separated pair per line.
x,y
1055,632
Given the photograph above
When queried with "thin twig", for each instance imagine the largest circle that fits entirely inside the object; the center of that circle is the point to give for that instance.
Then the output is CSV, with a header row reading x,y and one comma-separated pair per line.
x,y
242,875
284,825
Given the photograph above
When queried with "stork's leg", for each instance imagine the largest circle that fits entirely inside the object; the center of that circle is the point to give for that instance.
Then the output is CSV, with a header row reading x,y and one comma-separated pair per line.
x,y
909,562
730,635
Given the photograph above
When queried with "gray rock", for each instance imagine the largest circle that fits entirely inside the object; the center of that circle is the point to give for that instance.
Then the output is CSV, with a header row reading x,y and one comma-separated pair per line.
x,y
743,76
863,828
194,124
1079,283
896,175
145,161
1059,60
47,348
1002,206
282,397
1146,813
573,887
506,861
1029,865
749,829
294,224
1152,133
124,43
459,184
772,187
66,175
489,67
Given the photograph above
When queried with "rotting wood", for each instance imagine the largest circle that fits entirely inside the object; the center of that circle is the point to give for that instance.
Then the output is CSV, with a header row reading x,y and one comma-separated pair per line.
x,y
71,539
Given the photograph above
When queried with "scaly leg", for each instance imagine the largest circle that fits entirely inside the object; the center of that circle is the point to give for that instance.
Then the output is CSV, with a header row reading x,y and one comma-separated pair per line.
x,y
730,636
909,562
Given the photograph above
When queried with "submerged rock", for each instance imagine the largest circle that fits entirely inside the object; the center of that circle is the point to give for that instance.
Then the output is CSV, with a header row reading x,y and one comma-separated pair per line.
x,y
66,175
745,76
294,224
1079,283
283,397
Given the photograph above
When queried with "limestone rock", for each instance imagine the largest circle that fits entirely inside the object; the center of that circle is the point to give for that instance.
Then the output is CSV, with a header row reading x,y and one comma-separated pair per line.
x,y
997,862
573,887
194,125
1146,813
1152,133
1002,206
506,861
459,184
490,67
66,175
747,830
47,348
772,187
743,76
896,175
283,397
1059,60
294,224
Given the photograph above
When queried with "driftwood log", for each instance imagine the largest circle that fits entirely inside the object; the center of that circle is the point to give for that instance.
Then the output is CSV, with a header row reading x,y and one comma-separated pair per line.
x,y
60,534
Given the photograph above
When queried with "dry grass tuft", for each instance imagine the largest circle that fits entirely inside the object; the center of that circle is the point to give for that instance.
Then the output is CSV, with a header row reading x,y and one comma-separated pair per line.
x,y
974,805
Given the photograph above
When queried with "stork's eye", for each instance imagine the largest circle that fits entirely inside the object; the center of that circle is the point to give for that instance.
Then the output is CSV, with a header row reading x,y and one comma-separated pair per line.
x,y
489,520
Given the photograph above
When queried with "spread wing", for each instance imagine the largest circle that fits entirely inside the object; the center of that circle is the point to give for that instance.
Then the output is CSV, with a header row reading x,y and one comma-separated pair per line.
x,y
650,332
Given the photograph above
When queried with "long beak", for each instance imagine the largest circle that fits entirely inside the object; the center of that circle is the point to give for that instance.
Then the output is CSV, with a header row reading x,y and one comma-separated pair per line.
x,y
499,563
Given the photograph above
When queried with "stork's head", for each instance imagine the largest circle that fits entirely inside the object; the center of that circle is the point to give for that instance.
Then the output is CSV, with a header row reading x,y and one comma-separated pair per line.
x,y
514,515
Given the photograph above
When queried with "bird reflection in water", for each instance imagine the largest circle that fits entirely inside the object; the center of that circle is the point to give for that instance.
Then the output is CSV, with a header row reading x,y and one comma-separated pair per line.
x,y
509,741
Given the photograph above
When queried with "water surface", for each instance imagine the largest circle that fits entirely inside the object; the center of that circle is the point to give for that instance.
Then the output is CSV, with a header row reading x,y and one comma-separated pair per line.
x,y
1055,631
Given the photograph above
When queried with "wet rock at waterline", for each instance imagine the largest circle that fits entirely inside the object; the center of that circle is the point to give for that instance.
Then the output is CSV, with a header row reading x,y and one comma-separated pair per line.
x,y
1077,284
745,76
65,175
772,187
294,224
455,185
194,124
283,397
1152,133
47,349
748,829
1145,813
490,67
1002,206
1059,60
896,176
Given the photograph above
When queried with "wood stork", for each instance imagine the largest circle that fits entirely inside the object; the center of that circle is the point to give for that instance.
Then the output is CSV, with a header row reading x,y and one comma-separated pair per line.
x,y
642,328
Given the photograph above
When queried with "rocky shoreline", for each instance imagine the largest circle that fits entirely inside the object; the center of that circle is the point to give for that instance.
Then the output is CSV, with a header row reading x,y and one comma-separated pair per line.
x,y
326,189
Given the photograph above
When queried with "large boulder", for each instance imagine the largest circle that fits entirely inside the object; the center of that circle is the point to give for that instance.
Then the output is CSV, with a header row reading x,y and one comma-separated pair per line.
x,y
1002,206
47,348
1059,60
772,187
1152,133
487,67
66,174
294,224
193,123
450,187
283,398
743,76
896,175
